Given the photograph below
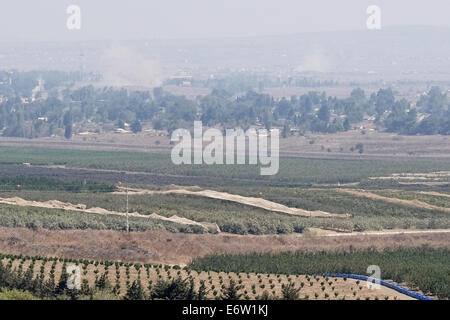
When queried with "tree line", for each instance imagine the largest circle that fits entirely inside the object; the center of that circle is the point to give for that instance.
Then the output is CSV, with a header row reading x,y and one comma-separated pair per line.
x,y
310,112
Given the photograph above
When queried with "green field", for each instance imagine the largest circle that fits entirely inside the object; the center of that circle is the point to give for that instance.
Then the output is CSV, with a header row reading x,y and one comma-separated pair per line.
x,y
438,201
331,200
242,219
293,171
46,184
91,188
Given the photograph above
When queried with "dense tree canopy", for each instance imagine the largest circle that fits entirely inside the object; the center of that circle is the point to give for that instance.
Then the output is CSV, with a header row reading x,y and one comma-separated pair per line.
x,y
60,112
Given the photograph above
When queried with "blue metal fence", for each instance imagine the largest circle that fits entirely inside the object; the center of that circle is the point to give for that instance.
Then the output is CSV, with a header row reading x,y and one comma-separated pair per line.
x,y
390,285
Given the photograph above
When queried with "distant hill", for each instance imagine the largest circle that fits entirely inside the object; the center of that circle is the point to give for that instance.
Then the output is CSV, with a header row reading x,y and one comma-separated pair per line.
x,y
404,52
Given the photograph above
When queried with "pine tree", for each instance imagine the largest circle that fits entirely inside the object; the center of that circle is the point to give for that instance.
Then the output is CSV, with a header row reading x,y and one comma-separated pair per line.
x,y
135,291
136,126
231,292
202,292
289,292
62,283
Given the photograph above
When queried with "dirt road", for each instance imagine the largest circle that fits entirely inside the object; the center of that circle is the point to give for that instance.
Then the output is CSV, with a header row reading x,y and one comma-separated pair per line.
x,y
410,203
437,194
250,201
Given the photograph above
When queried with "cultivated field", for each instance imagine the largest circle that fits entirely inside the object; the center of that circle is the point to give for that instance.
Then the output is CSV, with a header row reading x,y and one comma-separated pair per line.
x,y
98,277
338,145
72,204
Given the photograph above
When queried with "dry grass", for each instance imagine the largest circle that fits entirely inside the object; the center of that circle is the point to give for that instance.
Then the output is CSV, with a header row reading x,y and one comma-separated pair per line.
x,y
376,144
177,248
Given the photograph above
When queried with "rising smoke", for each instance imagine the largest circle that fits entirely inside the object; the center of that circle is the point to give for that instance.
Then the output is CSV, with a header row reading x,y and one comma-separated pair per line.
x,y
121,66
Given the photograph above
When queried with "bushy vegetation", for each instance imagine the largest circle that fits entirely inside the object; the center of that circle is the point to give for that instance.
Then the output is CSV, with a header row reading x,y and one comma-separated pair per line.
x,y
242,219
6,294
335,201
425,268
230,217
58,219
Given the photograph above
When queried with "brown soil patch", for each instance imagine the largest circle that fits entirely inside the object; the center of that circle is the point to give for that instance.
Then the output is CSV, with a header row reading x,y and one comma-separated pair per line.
x,y
376,144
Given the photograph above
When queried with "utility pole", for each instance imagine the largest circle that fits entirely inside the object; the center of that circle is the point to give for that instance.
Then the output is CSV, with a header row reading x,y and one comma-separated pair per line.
x,y
128,225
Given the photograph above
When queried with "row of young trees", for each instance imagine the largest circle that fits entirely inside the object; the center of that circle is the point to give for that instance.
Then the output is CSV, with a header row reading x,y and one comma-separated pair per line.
x,y
425,268
45,286
38,279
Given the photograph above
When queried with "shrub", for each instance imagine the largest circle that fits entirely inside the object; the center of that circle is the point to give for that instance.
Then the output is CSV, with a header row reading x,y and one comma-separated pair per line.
x,y
290,292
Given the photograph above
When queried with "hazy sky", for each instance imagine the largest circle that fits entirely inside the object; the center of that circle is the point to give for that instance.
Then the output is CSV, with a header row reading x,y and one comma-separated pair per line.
x,y
131,19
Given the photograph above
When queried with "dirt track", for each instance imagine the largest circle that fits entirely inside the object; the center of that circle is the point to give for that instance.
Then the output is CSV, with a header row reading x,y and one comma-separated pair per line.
x,y
428,179
433,193
410,203
250,201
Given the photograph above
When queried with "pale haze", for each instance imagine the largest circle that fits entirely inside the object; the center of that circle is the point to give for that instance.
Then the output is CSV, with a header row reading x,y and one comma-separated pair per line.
x,y
119,20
